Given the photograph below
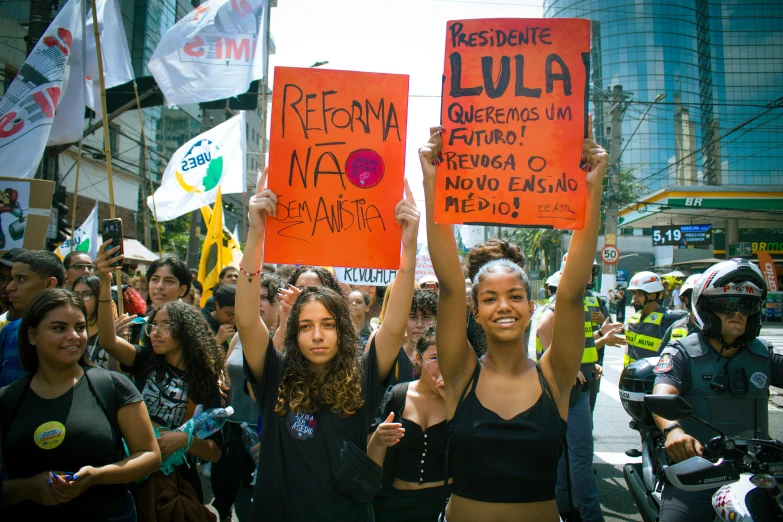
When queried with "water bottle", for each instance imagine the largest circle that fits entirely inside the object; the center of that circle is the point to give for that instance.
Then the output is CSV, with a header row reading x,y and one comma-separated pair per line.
x,y
205,424
250,438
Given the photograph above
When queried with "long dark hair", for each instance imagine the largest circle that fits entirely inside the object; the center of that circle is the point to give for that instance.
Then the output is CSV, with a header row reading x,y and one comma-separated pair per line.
x,y
205,362
177,267
35,312
94,282
340,386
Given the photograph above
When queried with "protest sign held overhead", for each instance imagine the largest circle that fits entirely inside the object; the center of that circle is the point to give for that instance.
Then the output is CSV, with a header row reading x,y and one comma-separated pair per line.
x,y
32,102
336,163
514,108
213,159
214,52
365,276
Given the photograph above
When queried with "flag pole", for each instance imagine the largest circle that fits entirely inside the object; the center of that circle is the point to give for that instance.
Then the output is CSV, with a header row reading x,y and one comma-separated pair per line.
x,y
106,143
75,193
149,173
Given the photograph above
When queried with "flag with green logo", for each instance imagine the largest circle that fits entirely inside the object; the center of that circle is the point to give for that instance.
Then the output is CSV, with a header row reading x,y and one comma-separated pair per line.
x,y
213,159
85,239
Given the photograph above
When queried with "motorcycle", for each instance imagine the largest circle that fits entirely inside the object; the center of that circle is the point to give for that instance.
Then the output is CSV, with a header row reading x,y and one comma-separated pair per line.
x,y
746,471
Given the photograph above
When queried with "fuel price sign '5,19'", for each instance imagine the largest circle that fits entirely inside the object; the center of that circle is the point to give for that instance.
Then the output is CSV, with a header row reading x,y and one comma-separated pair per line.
x,y
694,235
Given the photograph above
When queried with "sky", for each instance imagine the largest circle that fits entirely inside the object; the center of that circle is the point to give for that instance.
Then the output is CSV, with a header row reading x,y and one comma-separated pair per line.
x,y
389,36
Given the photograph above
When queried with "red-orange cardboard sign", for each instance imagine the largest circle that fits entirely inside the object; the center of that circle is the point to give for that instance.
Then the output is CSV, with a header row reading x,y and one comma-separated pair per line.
x,y
514,108
336,163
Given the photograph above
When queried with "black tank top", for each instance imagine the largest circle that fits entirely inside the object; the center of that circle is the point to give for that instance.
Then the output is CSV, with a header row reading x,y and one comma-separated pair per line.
x,y
506,461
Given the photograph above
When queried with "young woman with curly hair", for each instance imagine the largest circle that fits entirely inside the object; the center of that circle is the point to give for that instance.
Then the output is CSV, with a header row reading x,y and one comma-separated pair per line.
x,y
507,414
176,368
319,384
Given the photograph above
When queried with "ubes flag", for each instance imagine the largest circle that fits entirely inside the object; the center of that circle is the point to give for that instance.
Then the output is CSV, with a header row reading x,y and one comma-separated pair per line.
x,y
214,159
214,52
32,102
85,238
117,68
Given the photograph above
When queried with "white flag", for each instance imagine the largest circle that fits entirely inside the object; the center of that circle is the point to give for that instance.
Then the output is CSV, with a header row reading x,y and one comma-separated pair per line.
x,y
85,239
214,52
117,68
28,107
215,158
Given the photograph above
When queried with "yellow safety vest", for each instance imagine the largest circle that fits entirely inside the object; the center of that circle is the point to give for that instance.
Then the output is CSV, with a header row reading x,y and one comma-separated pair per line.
x,y
643,336
590,353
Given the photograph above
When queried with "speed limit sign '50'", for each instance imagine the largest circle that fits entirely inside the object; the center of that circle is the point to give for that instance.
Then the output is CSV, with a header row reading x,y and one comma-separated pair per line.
x,y
610,255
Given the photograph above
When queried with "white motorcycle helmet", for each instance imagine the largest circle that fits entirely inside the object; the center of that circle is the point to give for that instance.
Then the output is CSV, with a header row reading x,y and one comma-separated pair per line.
x,y
647,282
734,285
686,289
596,269
553,280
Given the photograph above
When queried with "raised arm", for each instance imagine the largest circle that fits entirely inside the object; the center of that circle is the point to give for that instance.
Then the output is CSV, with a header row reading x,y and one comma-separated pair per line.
x,y
115,346
391,334
562,360
455,356
251,328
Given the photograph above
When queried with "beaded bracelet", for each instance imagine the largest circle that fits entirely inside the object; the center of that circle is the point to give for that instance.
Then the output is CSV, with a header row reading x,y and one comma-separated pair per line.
x,y
248,274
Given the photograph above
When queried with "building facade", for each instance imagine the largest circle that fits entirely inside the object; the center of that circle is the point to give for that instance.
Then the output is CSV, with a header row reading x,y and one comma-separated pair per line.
x,y
720,65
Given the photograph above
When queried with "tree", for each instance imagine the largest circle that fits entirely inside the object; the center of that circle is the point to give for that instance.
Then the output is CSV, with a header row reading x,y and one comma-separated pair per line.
x,y
540,245
629,192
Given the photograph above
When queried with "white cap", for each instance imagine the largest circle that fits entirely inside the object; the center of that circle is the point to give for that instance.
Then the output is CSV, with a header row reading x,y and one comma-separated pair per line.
x,y
229,411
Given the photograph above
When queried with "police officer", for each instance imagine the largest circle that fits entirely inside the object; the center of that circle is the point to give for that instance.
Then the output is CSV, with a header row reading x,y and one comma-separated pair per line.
x,y
687,325
724,371
580,424
646,327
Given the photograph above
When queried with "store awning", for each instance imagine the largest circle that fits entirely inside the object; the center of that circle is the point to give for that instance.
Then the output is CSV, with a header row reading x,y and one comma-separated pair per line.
x,y
135,252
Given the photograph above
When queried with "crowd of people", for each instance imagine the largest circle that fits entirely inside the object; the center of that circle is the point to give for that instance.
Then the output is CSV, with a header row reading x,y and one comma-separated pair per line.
x,y
415,402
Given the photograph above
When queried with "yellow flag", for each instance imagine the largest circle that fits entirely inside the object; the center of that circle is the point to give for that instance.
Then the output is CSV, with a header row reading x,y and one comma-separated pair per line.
x,y
211,262
227,251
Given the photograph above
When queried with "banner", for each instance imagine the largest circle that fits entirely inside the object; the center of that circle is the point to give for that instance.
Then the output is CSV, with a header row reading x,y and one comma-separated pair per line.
x,y
336,163
767,266
514,107
28,107
213,159
211,262
214,52
365,276
232,253
117,68
85,238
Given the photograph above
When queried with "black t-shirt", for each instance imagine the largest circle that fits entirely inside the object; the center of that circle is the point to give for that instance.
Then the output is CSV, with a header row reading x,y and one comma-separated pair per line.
x,y
294,474
214,324
402,371
66,434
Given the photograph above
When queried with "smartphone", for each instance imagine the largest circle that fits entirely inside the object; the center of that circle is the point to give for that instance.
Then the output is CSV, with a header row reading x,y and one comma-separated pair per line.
x,y
112,229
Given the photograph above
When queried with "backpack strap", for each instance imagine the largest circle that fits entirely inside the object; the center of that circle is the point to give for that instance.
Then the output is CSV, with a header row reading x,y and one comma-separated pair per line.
x,y
102,387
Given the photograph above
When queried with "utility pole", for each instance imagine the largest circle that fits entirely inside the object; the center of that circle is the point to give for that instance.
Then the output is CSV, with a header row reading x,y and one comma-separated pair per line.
x,y
195,216
38,21
613,199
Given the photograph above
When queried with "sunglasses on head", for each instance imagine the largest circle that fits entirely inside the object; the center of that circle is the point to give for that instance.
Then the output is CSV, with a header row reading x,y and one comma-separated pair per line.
x,y
730,304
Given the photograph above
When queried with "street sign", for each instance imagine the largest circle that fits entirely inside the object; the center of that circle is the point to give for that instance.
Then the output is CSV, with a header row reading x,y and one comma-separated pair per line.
x,y
693,235
610,254
621,276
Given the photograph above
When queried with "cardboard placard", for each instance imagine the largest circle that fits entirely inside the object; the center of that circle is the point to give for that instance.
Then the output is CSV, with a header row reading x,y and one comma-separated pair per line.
x,y
336,163
515,111
25,209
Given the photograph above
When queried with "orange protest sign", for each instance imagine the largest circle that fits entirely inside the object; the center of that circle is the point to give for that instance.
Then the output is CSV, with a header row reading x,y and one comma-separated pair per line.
x,y
336,163
514,108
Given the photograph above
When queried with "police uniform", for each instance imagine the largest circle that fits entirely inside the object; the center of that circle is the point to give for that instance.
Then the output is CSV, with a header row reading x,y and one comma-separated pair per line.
x,y
643,335
580,431
741,410
679,330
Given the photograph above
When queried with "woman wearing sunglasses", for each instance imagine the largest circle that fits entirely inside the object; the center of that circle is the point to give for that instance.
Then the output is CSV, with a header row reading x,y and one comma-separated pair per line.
x,y
410,442
724,372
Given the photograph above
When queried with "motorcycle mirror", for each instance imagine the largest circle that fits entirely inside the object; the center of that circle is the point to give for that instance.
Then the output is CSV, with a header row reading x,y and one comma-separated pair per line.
x,y
671,407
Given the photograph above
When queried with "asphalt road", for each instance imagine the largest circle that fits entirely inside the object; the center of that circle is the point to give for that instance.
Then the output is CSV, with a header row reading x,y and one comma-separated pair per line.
x,y
613,436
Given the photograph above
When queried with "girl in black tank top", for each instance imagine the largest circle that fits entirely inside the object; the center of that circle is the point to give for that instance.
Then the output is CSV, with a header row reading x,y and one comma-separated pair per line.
x,y
507,425
410,442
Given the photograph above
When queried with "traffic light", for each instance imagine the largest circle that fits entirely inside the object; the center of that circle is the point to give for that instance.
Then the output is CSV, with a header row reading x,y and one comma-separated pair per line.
x,y
59,206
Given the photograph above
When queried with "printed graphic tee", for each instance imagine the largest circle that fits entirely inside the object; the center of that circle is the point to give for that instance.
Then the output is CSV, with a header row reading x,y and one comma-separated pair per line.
x,y
294,480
